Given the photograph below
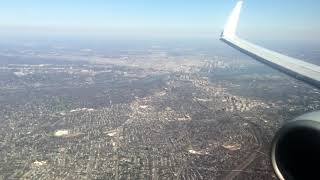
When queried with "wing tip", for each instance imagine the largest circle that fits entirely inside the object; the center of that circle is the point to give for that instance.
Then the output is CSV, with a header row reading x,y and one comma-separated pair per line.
x,y
232,23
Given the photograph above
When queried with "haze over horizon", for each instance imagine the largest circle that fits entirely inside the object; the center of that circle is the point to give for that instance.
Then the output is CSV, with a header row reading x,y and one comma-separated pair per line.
x,y
289,20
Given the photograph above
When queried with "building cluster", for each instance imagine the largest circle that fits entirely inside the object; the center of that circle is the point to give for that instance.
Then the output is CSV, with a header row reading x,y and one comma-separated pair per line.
x,y
104,121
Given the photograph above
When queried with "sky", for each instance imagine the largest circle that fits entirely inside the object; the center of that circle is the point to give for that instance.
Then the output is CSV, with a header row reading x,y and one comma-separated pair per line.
x,y
162,18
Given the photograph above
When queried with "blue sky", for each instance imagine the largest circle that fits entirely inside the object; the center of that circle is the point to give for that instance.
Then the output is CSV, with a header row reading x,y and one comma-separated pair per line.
x,y
272,18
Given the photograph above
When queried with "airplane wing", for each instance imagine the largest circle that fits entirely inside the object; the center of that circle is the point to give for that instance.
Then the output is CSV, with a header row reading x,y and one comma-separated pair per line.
x,y
296,68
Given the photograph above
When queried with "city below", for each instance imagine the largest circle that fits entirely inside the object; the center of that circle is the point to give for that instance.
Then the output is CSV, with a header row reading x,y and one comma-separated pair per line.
x,y
180,110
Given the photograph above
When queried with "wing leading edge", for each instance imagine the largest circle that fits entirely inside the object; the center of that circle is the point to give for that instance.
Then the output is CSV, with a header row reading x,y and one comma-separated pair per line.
x,y
296,68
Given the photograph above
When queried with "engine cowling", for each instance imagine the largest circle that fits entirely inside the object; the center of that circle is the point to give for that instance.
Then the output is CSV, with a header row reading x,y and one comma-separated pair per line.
x,y
295,150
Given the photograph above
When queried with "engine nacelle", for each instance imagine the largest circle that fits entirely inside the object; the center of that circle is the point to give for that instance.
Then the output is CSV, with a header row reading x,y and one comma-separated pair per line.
x,y
295,150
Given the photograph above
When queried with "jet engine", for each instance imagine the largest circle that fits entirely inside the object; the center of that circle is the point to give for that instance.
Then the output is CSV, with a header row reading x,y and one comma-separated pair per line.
x,y
295,150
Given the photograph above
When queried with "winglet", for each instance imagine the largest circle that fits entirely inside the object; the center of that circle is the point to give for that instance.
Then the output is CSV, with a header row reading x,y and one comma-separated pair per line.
x,y
232,23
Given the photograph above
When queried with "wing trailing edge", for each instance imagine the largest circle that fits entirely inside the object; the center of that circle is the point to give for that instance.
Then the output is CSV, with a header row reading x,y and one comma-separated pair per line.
x,y
296,68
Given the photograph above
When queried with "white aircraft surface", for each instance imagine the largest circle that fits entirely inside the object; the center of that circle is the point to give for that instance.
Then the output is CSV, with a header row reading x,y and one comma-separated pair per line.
x,y
295,151
296,68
